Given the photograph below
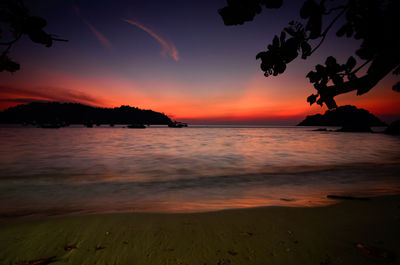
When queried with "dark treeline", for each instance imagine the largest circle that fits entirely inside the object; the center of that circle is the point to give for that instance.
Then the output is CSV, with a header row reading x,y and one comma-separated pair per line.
x,y
75,113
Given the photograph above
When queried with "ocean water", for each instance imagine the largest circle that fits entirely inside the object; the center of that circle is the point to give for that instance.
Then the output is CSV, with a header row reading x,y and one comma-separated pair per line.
x,y
77,170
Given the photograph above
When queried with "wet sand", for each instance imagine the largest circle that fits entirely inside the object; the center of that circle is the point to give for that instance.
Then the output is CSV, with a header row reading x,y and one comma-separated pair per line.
x,y
350,232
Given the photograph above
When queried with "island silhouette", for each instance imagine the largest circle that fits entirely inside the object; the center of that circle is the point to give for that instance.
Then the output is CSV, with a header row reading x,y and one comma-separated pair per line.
x,y
56,114
350,118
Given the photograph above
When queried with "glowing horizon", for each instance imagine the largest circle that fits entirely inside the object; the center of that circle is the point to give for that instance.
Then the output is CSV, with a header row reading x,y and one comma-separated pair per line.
x,y
251,102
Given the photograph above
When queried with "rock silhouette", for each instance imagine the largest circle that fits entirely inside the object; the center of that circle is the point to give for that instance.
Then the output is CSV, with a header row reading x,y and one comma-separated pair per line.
x,y
394,128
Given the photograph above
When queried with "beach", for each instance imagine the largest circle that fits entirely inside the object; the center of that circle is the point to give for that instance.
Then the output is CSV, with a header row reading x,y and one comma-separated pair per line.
x,y
349,232
201,195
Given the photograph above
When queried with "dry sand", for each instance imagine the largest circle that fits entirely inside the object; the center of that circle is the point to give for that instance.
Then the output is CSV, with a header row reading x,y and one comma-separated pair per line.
x,y
268,235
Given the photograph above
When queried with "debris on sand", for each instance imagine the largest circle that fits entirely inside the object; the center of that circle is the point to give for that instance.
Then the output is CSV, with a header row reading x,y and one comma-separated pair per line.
x,y
43,261
99,248
224,262
287,199
339,197
70,247
233,253
375,252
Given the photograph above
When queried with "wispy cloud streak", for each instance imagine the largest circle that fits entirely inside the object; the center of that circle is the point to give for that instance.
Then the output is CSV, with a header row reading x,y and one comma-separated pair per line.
x,y
103,40
168,47
43,94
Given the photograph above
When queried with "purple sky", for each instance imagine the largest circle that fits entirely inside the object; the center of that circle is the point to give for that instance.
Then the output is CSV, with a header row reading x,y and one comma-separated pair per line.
x,y
176,57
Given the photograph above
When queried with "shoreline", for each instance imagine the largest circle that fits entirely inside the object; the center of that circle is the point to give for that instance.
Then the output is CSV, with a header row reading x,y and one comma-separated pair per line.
x,y
284,202
349,232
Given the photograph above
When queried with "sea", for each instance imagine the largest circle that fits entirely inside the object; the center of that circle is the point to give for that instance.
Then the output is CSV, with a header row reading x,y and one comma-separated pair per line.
x,y
77,170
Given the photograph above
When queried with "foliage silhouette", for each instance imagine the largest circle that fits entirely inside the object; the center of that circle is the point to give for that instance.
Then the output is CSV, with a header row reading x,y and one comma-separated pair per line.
x,y
374,22
15,17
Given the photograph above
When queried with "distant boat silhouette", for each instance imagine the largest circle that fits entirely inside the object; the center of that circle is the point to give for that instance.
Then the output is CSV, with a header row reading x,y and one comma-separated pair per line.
x,y
177,124
136,126
50,126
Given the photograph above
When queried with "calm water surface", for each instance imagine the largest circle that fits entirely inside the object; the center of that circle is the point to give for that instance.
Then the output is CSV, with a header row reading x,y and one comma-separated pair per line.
x,y
95,170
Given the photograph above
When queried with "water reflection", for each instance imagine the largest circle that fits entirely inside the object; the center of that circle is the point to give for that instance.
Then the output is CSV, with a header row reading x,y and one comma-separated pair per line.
x,y
189,170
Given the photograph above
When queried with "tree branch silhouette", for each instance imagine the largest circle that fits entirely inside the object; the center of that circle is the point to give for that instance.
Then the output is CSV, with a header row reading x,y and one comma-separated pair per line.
x,y
375,23
14,16
325,33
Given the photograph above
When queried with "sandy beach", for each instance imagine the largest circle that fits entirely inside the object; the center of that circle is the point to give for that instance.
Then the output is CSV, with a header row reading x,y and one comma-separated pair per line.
x,y
349,232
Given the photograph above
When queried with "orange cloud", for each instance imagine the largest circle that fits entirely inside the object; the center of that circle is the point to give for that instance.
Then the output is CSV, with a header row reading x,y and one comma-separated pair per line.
x,y
103,40
12,95
168,48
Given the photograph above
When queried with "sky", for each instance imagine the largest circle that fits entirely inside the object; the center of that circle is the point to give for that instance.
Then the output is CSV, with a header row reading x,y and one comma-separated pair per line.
x,y
175,57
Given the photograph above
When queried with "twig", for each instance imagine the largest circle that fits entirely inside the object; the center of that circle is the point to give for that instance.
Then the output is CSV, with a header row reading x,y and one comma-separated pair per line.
x,y
361,66
56,39
335,8
9,44
327,29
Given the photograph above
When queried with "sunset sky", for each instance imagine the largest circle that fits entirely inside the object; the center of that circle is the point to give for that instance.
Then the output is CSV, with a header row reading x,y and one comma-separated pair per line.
x,y
175,57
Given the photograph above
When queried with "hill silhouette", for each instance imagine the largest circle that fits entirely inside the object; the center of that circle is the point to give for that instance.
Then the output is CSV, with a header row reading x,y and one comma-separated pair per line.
x,y
346,116
75,113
